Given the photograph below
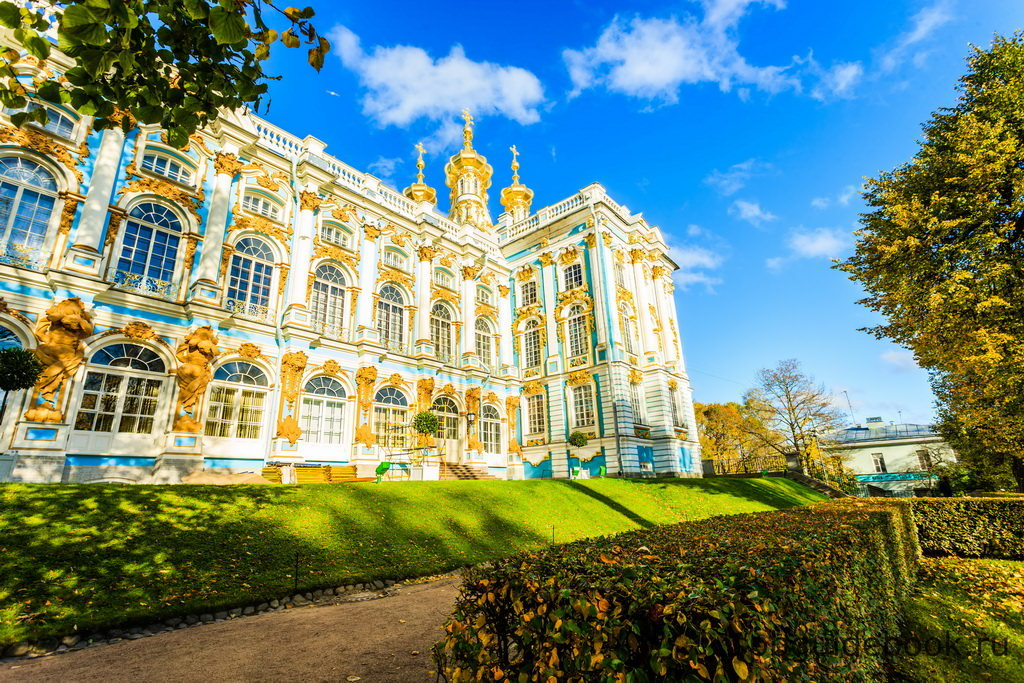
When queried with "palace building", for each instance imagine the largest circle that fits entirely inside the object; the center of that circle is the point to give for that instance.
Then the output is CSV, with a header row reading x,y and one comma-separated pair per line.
x,y
252,299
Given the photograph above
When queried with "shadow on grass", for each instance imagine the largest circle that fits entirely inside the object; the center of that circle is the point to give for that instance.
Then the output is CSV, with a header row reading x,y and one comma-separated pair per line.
x,y
608,502
774,492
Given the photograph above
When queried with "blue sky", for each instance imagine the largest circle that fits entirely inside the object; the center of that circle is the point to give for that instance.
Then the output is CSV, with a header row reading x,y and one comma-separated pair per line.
x,y
742,128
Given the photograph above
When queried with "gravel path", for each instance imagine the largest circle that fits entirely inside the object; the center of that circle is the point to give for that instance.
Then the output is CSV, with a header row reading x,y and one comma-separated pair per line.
x,y
372,641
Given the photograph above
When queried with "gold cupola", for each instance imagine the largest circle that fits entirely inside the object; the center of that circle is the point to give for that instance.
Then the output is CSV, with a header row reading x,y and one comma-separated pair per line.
x,y
468,175
516,198
420,191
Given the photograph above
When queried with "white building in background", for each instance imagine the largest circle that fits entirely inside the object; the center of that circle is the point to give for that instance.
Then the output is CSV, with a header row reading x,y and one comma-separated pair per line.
x,y
893,459
251,298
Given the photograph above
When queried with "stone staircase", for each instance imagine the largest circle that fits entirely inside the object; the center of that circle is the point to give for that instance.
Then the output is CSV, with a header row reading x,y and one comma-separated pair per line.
x,y
451,472
817,485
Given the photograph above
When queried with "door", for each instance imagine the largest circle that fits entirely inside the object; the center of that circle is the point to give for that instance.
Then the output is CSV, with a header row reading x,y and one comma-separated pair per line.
x,y
448,442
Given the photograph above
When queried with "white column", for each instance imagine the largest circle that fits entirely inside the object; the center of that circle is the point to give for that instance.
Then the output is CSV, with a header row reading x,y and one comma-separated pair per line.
x,y
301,257
468,318
208,271
546,277
423,282
666,313
85,252
643,315
365,330
505,330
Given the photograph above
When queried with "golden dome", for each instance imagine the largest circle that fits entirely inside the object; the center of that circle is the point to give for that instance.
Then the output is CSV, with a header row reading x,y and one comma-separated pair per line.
x,y
468,175
420,191
516,198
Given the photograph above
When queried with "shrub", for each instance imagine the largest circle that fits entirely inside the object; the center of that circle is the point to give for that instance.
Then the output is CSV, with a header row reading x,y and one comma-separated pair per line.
x,y
725,598
426,423
578,439
971,527
19,369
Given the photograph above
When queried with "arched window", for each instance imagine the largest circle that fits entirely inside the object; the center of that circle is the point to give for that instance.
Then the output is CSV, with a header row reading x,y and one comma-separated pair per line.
x,y
448,415
323,411
167,167
125,399
335,234
626,324
252,272
149,251
28,193
441,331
484,344
573,276
531,344
237,397
483,296
442,278
583,405
327,302
8,339
254,203
490,429
390,418
394,258
391,317
579,336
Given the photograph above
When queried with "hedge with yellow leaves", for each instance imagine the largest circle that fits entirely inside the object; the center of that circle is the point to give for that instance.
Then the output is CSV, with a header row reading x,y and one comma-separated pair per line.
x,y
971,527
768,596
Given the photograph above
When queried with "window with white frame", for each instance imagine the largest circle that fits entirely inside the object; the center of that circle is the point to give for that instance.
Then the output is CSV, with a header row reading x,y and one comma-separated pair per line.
x,y
149,250
626,325
878,461
121,391
484,344
442,278
573,276
390,418
327,300
238,395
483,296
490,429
536,420
924,460
28,194
441,331
620,274
322,417
254,203
56,122
583,405
637,404
167,167
448,417
579,335
335,234
677,408
531,344
391,317
394,258
250,278
528,293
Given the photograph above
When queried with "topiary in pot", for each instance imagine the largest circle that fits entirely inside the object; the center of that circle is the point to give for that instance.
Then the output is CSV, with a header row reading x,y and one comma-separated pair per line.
x,y
19,369
578,439
426,423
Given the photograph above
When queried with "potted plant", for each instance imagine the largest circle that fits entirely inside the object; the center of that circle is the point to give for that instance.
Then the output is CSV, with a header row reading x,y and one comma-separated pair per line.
x,y
426,424
19,369
579,440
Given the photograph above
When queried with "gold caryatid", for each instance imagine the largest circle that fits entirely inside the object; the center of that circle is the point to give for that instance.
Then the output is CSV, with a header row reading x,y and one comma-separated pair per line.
x,y
516,198
194,354
60,333
420,191
468,176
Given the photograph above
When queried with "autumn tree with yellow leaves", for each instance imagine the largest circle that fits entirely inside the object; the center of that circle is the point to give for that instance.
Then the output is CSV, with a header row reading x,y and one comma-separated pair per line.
x,y
941,255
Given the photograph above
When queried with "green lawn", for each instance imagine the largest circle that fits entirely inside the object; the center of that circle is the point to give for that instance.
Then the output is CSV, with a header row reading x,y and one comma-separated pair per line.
x,y
86,556
980,603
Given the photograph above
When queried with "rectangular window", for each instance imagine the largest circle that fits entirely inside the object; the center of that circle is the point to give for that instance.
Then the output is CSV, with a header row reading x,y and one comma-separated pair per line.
x,y
163,166
536,421
531,348
442,279
260,205
924,460
878,460
235,412
573,276
483,296
579,343
322,420
583,405
528,293
394,259
335,235
490,434
389,425
638,407
620,274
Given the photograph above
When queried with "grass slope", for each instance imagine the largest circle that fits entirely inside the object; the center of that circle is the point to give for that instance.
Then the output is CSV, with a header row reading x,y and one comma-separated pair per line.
x,y
87,556
972,612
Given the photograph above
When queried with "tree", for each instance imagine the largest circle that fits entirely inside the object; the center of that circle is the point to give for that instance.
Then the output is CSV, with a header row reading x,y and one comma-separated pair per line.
x,y
176,63
797,413
941,256
729,431
19,369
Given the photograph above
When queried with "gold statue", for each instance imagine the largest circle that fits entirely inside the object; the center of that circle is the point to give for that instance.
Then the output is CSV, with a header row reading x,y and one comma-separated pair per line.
x,y
194,354
60,333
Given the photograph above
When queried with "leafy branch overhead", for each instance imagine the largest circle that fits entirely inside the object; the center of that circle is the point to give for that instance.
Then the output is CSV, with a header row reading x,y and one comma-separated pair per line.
x,y
174,63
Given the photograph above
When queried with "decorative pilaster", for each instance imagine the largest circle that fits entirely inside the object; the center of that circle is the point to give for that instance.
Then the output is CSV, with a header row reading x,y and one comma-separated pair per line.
x,y
505,330
365,329
208,286
84,254
648,344
466,347
296,312
422,345
604,296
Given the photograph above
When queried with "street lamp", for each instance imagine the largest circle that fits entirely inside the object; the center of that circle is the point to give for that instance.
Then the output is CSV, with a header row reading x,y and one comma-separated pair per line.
x,y
470,420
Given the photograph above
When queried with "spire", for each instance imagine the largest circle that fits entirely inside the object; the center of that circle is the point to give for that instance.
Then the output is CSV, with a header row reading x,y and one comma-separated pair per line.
x,y
468,175
420,191
516,198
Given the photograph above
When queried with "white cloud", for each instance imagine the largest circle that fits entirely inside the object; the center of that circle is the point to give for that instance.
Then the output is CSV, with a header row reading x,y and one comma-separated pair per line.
x,y
751,212
651,58
734,179
404,83
694,263
899,361
848,193
821,202
838,81
843,198
922,25
820,242
694,230
384,167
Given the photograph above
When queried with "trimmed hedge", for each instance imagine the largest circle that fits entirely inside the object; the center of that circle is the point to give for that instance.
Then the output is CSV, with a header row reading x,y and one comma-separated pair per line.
x,y
759,596
971,527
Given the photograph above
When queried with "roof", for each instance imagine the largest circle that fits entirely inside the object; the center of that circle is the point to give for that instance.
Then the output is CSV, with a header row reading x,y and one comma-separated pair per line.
x,y
889,432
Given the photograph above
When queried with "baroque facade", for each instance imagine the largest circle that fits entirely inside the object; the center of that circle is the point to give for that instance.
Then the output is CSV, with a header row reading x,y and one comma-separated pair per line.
x,y
252,299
